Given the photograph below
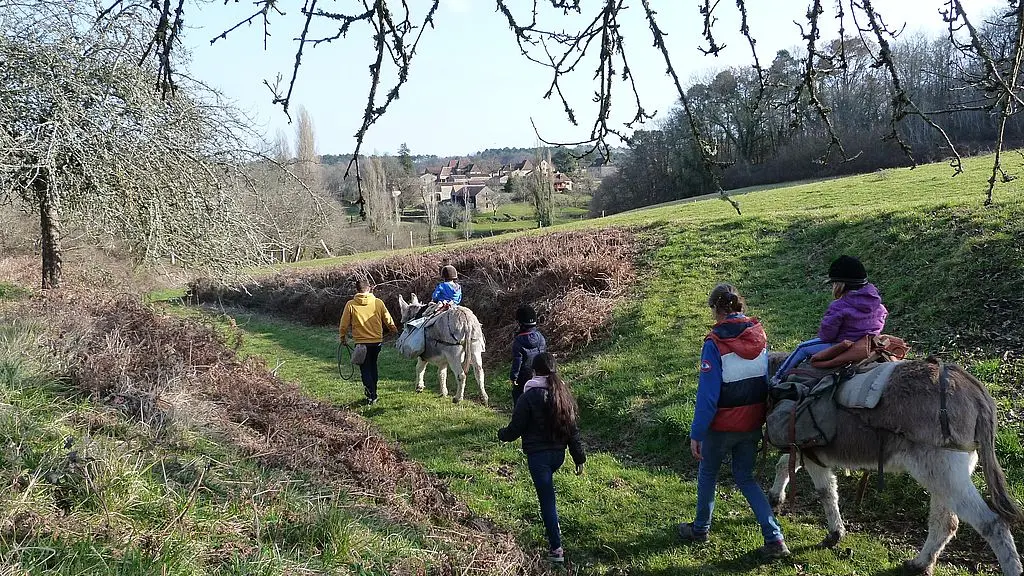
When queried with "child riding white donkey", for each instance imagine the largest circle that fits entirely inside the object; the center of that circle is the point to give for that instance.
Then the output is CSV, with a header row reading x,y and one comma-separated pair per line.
x,y
453,338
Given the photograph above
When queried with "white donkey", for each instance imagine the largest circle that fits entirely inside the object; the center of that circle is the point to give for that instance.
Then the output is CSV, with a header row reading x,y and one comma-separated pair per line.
x,y
454,340
933,421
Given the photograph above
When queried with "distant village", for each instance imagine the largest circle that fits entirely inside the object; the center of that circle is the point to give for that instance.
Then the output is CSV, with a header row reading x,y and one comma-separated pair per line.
x,y
459,182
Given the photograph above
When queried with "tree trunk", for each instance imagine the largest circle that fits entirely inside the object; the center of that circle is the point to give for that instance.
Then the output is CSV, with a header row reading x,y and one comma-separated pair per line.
x,y
49,228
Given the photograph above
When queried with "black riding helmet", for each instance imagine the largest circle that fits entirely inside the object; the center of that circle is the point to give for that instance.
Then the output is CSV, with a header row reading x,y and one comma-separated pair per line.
x,y
848,270
526,316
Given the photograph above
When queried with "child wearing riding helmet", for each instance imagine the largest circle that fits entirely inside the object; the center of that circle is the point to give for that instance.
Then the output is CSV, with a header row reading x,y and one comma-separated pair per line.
x,y
546,419
526,345
855,312
448,290
732,391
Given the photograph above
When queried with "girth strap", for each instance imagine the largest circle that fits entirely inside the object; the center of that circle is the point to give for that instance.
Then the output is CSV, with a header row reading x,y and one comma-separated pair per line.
x,y
881,434
943,392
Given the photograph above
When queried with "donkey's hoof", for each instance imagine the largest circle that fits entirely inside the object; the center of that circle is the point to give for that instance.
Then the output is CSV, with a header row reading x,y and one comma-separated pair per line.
x,y
913,568
456,400
774,501
419,390
831,540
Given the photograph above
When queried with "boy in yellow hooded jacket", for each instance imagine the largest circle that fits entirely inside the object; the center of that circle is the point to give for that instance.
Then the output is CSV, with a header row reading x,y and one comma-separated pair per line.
x,y
366,316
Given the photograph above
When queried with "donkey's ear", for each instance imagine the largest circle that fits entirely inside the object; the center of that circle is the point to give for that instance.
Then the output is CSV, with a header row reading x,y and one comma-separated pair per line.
x,y
402,303
415,299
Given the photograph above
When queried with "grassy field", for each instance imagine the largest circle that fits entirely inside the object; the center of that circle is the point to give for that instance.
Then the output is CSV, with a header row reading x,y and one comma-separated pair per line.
x,y
950,270
513,217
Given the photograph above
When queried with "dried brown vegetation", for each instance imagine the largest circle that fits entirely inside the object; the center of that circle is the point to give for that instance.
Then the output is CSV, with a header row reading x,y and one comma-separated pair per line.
x,y
158,368
573,279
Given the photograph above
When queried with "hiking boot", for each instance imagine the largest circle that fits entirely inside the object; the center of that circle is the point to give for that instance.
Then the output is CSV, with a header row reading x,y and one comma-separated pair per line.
x,y
773,550
689,534
556,556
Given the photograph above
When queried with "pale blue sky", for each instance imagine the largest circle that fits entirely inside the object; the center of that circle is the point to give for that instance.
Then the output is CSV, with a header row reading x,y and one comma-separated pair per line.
x,y
469,88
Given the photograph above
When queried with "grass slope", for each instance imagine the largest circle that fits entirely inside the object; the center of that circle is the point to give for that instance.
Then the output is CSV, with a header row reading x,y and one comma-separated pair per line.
x,y
619,515
950,271
86,490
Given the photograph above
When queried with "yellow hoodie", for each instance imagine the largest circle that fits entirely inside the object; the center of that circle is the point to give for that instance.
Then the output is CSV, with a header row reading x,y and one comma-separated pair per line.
x,y
366,315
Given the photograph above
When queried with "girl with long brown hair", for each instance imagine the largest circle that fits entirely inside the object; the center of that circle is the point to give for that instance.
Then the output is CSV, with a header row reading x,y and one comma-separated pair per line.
x,y
545,417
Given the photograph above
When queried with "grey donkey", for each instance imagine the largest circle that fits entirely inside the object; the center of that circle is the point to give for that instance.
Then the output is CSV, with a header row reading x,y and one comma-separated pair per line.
x,y
454,340
906,429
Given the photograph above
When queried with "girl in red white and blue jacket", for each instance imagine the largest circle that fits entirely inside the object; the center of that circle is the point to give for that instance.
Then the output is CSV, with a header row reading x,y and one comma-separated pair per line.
x,y
732,392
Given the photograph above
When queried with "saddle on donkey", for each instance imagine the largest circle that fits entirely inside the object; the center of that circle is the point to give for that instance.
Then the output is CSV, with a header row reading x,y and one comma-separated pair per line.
x,y
846,375
413,339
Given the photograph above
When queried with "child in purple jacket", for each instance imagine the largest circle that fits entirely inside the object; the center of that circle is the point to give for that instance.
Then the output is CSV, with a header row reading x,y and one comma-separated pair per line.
x,y
857,311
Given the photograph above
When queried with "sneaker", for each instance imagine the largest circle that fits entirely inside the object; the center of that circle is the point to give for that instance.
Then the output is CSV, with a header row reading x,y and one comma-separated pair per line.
x,y
556,556
689,534
773,550
371,401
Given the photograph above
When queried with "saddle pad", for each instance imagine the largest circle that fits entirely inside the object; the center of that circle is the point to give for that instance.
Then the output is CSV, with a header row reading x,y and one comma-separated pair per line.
x,y
865,390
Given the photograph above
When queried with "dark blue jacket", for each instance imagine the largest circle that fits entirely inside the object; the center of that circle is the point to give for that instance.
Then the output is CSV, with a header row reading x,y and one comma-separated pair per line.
x,y
527,344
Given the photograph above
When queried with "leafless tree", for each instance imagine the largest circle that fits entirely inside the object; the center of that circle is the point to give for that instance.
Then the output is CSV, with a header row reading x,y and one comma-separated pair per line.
x,y
540,188
85,140
543,34
307,161
281,150
290,216
377,195
429,194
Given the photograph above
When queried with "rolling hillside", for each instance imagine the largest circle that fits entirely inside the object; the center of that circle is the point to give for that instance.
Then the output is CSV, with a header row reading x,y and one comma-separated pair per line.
x,y
950,270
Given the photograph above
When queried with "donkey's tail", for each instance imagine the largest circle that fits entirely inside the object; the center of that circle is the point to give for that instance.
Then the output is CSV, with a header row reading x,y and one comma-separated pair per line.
x,y
467,326
467,354
1002,501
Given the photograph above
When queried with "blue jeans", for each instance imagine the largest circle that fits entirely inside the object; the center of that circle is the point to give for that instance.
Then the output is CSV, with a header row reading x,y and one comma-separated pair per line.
x,y
803,351
743,448
543,466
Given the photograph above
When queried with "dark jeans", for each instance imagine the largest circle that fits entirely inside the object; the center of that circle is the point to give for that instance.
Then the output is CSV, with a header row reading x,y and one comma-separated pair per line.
x,y
742,446
368,370
543,466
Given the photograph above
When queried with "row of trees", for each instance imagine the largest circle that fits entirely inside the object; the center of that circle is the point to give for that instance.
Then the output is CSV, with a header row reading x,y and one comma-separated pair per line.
x,y
753,123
